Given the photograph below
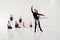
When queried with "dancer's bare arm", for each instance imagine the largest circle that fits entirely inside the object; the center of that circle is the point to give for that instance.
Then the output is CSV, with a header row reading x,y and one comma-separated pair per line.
x,y
41,14
32,9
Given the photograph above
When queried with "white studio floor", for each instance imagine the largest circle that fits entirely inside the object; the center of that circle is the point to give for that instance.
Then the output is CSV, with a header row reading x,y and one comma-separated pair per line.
x,y
27,34
20,34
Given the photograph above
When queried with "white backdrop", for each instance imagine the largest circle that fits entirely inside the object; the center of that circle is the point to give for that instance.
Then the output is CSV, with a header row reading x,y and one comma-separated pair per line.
x,y
51,8
21,8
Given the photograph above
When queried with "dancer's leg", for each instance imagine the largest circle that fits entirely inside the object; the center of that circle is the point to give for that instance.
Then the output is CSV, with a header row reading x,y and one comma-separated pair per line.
x,y
39,26
35,25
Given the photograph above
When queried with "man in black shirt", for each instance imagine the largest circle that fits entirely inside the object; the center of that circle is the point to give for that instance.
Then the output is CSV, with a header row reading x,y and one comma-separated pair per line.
x,y
36,17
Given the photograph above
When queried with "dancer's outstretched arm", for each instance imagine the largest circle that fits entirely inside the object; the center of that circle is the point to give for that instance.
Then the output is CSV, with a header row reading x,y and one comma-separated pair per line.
x,y
32,9
43,17
41,14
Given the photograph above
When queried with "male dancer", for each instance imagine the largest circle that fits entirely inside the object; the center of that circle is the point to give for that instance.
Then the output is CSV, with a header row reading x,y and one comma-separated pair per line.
x,y
36,17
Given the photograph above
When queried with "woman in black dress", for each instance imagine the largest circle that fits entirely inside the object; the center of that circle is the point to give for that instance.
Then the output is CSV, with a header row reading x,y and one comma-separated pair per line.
x,y
9,25
20,21
16,25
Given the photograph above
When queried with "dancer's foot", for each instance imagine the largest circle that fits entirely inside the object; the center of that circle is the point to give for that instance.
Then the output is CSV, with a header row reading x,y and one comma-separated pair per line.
x,y
41,31
34,31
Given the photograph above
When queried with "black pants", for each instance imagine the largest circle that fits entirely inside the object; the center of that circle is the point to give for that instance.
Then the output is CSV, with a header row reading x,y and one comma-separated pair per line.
x,y
38,25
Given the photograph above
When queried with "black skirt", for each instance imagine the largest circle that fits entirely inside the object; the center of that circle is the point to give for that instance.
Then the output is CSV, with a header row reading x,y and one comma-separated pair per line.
x,y
9,27
16,25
